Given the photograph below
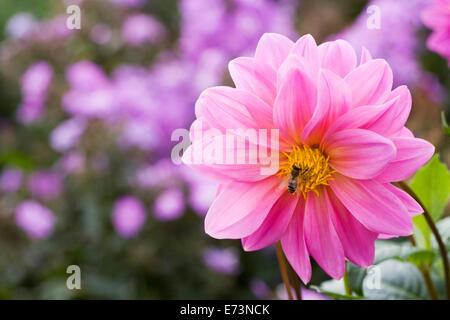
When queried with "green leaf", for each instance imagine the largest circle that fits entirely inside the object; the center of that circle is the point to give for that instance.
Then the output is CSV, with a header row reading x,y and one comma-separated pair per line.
x,y
386,249
432,185
445,125
395,280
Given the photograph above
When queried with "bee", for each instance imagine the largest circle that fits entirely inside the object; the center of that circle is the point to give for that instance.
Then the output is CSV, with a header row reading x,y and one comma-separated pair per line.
x,y
293,179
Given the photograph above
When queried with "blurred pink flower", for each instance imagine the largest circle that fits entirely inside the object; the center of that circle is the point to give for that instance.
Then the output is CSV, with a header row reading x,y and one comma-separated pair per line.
x,y
46,185
129,3
142,29
91,93
35,219
35,83
128,216
225,261
307,294
21,25
437,17
341,124
10,180
169,205
67,134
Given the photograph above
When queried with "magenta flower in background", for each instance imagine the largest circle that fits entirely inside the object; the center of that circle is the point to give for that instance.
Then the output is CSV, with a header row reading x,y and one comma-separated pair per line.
x,y
225,261
10,180
142,29
21,25
46,185
91,93
101,34
128,216
260,289
67,134
129,3
35,83
307,294
36,220
395,40
169,205
437,17
72,162
341,124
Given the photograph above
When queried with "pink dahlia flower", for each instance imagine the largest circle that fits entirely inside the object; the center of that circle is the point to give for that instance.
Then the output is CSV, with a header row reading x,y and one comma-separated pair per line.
x,y
342,140
437,18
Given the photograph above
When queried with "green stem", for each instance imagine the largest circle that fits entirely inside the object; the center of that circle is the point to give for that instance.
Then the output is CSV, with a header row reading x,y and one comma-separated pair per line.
x,y
436,234
348,288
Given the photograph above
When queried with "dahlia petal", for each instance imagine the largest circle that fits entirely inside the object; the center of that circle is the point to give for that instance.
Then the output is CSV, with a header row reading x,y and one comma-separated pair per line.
x,y
411,205
434,17
306,47
294,104
273,49
321,238
229,108
294,244
358,153
365,117
251,76
241,208
333,101
412,153
370,83
372,204
395,117
275,224
337,56
209,157
358,242
365,56
438,41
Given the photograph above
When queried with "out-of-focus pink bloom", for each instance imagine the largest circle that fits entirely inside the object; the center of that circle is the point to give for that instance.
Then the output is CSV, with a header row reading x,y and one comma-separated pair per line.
x,y
340,123
45,185
21,25
260,289
395,40
202,192
72,162
437,17
101,34
91,94
225,261
36,220
233,29
128,216
36,79
163,174
129,3
35,83
169,205
307,294
142,29
67,134
10,180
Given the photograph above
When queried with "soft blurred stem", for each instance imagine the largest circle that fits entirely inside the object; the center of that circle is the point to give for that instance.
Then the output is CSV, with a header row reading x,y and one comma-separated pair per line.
x,y
283,269
436,234
348,288
429,283
426,274
295,281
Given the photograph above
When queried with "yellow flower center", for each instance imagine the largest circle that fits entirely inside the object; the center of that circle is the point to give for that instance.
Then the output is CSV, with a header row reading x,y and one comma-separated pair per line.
x,y
306,169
